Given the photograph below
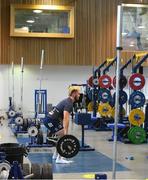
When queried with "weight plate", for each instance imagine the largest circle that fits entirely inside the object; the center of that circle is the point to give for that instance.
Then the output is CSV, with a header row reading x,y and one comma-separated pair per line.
x,y
122,81
47,171
95,81
137,81
105,81
19,120
104,95
136,117
122,97
90,94
105,110
11,113
90,106
68,146
32,131
4,166
137,135
90,81
137,99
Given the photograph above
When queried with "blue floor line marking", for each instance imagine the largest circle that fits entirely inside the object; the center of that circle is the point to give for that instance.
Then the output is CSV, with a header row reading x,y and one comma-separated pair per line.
x,y
84,162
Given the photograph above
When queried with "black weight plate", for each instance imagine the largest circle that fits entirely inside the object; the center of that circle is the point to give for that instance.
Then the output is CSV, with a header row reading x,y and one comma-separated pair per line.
x,y
68,146
122,82
122,97
47,171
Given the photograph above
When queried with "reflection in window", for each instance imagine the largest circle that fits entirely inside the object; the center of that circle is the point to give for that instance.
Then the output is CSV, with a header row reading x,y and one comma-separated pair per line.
x,y
135,28
41,21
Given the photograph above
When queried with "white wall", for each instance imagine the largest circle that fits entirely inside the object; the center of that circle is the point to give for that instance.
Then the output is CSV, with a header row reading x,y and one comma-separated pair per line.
x,y
56,80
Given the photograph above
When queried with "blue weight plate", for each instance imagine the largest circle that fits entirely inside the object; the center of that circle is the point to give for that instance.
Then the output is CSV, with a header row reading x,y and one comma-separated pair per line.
x,y
104,95
122,97
137,99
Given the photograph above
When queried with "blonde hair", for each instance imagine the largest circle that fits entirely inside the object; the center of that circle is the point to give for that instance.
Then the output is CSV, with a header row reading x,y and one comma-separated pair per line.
x,y
72,89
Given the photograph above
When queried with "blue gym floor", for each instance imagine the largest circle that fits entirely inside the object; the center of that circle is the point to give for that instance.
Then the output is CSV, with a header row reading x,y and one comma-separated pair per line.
x,y
91,161
84,162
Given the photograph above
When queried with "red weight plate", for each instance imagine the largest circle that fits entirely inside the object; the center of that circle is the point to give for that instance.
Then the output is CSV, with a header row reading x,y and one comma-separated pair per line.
x,y
137,81
105,81
90,81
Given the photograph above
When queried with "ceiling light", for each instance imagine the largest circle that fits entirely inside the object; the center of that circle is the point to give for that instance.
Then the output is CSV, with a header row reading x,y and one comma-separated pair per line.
x,y
147,38
37,11
30,21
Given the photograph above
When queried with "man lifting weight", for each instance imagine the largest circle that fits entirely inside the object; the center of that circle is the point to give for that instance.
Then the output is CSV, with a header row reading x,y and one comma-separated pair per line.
x,y
57,121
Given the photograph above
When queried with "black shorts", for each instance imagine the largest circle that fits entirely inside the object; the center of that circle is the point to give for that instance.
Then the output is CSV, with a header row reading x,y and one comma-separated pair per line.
x,y
52,125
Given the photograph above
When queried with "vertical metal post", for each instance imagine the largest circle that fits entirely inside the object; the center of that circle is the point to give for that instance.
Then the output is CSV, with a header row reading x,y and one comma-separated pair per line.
x,y
40,87
118,48
12,68
22,71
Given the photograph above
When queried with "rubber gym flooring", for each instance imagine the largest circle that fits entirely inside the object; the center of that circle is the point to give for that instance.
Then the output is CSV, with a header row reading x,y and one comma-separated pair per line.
x,y
98,161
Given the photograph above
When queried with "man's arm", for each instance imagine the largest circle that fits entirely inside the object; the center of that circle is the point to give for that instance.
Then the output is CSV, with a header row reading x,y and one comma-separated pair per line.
x,y
66,122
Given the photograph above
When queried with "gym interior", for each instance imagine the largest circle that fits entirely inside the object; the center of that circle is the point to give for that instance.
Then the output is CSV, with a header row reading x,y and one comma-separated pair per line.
x,y
100,48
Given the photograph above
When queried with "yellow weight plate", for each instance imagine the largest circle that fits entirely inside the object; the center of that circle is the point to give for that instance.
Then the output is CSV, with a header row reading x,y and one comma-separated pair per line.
x,y
90,106
136,117
105,109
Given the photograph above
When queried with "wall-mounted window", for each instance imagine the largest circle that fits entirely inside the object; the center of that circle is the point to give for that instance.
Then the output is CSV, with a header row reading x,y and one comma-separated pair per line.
x,y
135,27
42,21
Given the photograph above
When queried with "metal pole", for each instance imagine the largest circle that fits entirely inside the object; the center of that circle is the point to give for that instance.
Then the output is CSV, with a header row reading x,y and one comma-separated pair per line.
x,y
118,48
22,71
12,68
40,79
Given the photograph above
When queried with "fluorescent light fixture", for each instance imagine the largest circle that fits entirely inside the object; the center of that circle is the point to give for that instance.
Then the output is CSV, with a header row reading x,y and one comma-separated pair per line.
x,y
141,27
37,11
30,21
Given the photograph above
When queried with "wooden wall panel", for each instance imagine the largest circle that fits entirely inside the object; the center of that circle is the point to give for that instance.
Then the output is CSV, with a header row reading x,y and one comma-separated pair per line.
x,y
95,35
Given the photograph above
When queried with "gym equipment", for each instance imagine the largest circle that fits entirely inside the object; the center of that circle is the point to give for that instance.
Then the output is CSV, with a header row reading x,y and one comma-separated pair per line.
x,y
68,146
137,135
105,81
122,81
146,118
123,112
84,119
104,96
112,126
39,94
93,81
136,81
90,106
15,170
136,117
122,97
105,109
40,102
137,99
96,75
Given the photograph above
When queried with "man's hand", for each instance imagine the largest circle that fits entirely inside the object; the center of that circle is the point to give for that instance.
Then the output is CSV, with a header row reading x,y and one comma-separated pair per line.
x,y
66,122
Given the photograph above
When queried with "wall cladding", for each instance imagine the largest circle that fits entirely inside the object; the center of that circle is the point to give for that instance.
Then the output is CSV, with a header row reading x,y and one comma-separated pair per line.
x,y
95,35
